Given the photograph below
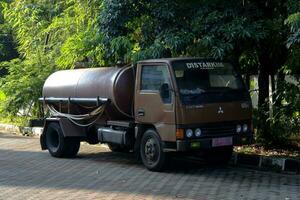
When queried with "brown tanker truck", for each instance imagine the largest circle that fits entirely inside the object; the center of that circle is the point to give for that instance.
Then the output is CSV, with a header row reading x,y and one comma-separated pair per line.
x,y
156,107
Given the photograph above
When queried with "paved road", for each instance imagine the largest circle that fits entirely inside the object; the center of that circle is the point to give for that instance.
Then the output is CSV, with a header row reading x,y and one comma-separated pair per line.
x,y
28,173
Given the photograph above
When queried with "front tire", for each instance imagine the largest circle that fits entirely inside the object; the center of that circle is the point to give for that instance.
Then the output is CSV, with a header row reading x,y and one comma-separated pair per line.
x,y
151,151
59,146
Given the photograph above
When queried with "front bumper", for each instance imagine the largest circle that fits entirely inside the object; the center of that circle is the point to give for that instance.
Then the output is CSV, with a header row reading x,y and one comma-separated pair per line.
x,y
206,143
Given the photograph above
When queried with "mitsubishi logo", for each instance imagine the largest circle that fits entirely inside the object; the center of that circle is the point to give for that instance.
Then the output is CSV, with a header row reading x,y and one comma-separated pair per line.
x,y
220,110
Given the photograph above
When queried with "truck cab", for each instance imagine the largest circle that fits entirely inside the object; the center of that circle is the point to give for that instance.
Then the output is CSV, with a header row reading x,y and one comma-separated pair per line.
x,y
193,105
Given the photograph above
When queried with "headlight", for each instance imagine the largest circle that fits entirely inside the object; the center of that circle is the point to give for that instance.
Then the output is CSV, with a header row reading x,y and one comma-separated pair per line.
x,y
238,128
189,133
245,128
198,132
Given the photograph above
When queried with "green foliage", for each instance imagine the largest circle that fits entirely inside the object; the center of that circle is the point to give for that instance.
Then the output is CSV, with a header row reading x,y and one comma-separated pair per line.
x,y
22,85
7,45
2,96
122,48
294,22
15,120
77,32
51,35
177,28
284,117
293,40
285,120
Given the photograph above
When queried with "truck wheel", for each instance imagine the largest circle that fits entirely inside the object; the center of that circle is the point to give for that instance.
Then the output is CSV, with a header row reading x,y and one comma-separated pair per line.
x,y
221,155
151,151
59,146
118,148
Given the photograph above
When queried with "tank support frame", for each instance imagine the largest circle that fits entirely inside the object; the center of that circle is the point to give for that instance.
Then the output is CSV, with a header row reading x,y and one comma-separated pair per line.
x,y
97,101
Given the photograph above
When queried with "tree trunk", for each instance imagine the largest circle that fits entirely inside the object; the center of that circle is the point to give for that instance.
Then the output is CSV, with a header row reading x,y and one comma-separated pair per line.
x,y
263,84
247,79
273,87
263,99
277,97
278,91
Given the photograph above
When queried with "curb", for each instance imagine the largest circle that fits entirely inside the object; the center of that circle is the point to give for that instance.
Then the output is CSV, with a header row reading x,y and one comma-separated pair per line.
x,y
267,163
10,128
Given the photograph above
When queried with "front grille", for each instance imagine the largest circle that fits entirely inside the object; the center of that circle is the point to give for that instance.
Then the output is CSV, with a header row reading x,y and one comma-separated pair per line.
x,y
218,129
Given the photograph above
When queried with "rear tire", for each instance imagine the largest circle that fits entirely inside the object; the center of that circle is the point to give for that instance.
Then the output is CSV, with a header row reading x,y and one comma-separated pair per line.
x,y
58,145
151,151
220,155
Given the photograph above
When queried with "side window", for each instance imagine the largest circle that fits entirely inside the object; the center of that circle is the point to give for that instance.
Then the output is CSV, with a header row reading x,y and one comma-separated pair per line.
x,y
153,77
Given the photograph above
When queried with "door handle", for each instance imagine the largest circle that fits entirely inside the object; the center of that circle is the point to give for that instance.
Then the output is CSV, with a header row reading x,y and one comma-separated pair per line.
x,y
141,112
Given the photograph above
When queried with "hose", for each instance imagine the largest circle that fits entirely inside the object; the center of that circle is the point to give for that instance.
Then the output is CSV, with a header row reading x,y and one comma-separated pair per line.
x,y
74,118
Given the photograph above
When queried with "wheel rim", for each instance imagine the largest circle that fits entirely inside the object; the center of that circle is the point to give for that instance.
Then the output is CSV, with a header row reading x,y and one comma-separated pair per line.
x,y
151,151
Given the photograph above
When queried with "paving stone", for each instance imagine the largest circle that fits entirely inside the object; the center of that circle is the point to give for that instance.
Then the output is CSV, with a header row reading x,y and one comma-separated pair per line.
x,y
251,160
292,165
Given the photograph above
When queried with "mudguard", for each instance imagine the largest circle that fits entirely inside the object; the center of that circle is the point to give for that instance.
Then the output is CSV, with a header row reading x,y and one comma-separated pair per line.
x,y
68,128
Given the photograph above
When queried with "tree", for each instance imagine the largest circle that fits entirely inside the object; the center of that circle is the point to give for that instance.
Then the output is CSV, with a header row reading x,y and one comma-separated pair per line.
x,y
7,45
293,42
250,33
50,35
176,28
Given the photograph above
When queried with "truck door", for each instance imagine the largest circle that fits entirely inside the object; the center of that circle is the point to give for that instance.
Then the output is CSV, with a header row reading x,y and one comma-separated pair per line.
x,y
154,99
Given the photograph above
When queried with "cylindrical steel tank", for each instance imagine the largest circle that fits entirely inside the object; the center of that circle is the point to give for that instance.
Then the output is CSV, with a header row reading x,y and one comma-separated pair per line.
x,y
114,83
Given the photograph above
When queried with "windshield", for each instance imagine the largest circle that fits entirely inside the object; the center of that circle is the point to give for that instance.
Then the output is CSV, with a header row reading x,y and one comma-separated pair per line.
x,y
203,82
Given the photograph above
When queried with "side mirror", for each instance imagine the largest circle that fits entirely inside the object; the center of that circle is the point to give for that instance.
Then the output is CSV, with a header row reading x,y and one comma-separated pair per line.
x,y
165,91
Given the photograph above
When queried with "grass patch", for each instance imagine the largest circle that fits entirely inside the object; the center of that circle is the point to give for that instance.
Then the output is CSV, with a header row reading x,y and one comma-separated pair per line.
x,y
2,96
293,152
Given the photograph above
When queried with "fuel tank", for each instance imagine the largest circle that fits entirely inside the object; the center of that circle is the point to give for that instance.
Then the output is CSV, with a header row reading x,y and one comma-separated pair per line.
x,y
114,83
